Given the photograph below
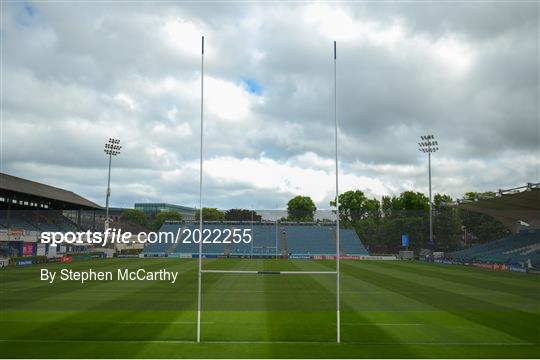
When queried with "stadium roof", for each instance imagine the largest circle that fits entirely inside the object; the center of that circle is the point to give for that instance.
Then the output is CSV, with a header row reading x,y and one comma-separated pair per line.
x,y
512,206
9,183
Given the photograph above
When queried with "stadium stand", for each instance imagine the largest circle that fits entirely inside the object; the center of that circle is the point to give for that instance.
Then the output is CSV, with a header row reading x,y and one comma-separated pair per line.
x,y
310,239
27,208
519,210
513,207
351,244
511,250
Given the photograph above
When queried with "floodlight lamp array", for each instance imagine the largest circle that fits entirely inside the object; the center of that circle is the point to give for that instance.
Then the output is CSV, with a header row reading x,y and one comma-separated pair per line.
x,y
112,147
428,144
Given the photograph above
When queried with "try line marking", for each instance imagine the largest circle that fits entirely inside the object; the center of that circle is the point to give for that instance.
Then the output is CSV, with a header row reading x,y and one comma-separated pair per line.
x,y
397,343
164,322
268,272
380,324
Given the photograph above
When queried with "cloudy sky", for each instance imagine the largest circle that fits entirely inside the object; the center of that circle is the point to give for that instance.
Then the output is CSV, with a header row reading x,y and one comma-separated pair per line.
x,y
74,75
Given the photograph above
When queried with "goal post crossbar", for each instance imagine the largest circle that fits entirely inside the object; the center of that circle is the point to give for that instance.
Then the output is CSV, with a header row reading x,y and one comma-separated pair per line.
x,y
269,272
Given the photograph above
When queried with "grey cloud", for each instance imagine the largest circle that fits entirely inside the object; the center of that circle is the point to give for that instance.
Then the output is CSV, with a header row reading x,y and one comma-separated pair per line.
x,y
67,64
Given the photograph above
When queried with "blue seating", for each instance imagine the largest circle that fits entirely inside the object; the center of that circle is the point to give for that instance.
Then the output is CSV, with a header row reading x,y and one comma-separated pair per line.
x,y
36,220
320,240
300,239
514,249
350,243
309,240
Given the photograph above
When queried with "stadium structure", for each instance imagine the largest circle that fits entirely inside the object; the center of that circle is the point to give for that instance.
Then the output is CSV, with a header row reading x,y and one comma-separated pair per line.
x,y
270,239
28,208
519,210
152,209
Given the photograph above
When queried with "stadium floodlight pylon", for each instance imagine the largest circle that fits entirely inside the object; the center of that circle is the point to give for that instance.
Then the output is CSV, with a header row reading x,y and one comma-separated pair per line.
x,y
201,271
112,148
429,145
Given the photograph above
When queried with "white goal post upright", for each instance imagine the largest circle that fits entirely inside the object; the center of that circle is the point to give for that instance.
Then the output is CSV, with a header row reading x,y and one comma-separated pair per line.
x,y
200,202
338,315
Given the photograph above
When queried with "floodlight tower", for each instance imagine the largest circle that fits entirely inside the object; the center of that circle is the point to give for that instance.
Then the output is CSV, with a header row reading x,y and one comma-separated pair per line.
x,y
112,148
429,145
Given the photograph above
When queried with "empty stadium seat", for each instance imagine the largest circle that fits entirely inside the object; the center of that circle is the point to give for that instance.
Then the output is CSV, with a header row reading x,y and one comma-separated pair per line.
x,y
300,240
514,249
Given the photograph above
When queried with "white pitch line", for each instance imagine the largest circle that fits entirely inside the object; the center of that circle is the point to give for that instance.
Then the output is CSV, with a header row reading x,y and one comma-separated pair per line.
x,y
268,272
381,324
437,343
163,322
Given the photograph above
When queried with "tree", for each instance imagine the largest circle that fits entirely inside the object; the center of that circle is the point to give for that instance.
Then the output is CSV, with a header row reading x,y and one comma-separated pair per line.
x,y
404,214
164,216
411,201
211,214
368,230
242,215
301,208
446,223
134,216
354,205
387,205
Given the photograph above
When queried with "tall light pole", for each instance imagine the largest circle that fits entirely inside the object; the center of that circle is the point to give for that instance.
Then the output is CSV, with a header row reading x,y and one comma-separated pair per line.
x,y
429,145
112,148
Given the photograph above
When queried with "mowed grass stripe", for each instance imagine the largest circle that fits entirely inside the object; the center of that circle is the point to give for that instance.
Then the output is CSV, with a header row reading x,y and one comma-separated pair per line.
x,y
65,328
498,284
233,315
172,310
35,292
375,332
518,324
440,325
251,350
501,295
521,279
307,312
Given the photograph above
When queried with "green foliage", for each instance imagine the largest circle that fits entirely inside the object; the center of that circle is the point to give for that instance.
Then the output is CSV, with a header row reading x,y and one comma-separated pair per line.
x,y
211,214
301,208
408,213
164,216
412,201
407,201
134,216
446,223
354,205
242,215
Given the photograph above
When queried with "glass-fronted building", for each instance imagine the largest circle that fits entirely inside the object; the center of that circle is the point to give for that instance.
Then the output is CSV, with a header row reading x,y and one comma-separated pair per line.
x,y
152,209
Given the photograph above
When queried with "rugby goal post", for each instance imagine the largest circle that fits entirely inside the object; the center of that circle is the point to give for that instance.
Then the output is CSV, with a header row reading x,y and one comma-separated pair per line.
x,y
201,271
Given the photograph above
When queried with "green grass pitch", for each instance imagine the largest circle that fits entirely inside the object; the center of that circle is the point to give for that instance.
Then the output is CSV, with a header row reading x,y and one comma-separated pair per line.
x,y
389,309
